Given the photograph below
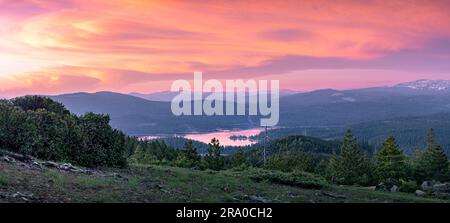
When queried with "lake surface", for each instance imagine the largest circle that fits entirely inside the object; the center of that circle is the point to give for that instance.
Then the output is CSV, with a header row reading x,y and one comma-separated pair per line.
x,y
224,136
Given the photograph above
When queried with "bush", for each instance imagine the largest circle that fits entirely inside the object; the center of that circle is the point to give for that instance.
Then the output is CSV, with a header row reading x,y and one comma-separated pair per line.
x,y
43,128
408,186
35,102
290,161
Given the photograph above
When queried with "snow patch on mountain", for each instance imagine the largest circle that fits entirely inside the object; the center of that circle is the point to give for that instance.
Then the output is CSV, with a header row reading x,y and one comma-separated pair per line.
x,y
349,99
434,85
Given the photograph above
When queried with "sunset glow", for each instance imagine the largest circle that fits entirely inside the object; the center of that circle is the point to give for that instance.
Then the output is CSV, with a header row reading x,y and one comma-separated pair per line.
x,y
52,47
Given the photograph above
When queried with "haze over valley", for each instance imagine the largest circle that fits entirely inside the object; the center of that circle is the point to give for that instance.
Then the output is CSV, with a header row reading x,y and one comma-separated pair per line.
x,y
323,113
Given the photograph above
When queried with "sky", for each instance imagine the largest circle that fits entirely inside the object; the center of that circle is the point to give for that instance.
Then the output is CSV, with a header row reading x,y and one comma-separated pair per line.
x,y
54,47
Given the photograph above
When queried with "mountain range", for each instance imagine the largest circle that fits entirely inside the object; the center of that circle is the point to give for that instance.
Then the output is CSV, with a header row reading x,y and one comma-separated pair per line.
x,y
167,96
321,108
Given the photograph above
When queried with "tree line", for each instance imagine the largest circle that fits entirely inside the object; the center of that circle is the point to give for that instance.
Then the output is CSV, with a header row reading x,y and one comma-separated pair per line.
x,y
349,164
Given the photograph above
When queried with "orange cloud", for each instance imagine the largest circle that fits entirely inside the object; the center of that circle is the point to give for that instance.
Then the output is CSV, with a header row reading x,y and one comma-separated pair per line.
x,y
173,37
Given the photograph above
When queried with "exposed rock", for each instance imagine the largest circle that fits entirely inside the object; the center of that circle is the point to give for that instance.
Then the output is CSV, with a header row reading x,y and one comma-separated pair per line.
x,y
51,164
444,187
425,185
256,199
19,157
8,159
290,194
420,193
165,191
71,168
333,195
441,195
19,196
64,167
116,175
381,186
3,195
372,187
36,164
394,189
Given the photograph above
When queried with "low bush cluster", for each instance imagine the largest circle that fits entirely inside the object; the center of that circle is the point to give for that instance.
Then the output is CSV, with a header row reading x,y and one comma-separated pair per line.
x,y
43,128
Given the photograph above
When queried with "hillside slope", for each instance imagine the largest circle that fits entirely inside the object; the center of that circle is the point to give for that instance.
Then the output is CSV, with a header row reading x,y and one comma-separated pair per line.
x,y
28,183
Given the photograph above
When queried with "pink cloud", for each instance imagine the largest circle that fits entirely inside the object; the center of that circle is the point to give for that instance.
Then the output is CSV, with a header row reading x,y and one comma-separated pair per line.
x,y
118,45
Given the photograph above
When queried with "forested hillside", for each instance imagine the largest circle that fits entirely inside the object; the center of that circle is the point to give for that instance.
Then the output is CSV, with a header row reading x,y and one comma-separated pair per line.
x,y
409,131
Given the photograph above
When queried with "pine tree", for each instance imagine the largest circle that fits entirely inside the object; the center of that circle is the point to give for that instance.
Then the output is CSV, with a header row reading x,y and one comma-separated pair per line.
x,y
213,159
239,158
368,166
438,162
350,160
190,152
419,165
332,168
390,160
322,168
188,156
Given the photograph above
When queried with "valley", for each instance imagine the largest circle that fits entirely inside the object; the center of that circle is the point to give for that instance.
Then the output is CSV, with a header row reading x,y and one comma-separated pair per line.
x,y
405,110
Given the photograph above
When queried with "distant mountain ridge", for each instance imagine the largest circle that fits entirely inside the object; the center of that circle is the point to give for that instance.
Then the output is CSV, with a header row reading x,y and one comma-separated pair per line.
x,y
169,95
322,108
157,96
137,116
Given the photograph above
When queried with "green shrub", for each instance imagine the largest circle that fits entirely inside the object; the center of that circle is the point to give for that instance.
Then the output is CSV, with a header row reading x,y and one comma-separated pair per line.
x,y
408,186
43,128
4,180
290,161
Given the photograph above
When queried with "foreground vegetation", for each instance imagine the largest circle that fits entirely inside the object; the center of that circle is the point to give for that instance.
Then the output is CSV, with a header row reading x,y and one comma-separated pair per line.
x,y
41,127
151,183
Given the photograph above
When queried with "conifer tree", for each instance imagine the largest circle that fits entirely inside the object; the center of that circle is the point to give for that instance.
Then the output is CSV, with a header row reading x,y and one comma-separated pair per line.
x,y
419,163
188,156
350,160
333,167
390,160
367,170
213,159
239,158
190,152
438,163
